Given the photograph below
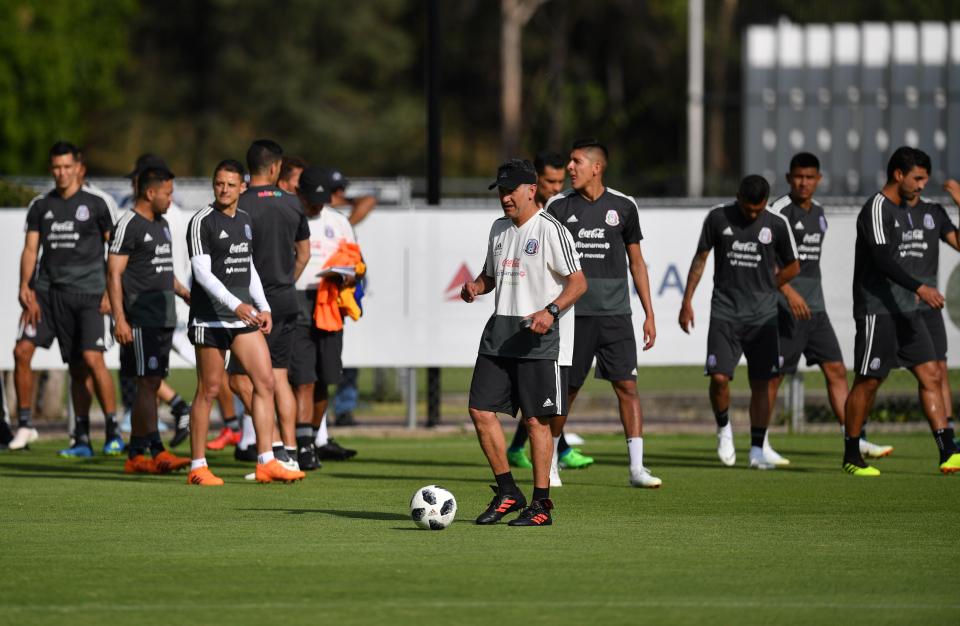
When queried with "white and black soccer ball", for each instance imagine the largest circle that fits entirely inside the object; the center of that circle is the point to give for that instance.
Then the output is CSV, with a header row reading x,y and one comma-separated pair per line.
x,y
433,507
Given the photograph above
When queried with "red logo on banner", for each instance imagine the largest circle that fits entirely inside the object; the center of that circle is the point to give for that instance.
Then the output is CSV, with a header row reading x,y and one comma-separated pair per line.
x,y
463,275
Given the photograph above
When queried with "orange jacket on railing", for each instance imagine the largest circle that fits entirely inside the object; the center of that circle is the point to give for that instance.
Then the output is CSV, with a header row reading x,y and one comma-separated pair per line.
x,y
331,298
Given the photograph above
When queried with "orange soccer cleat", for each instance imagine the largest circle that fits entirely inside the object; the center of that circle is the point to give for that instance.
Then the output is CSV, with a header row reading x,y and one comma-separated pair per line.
x,y
275,472
166,462
139,465
203,477
226,438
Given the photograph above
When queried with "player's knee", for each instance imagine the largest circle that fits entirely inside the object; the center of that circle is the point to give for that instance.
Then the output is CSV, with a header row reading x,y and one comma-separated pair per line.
x,y
209,389
150,383
23,352
625,389
265,385
93,360
719,381
480,417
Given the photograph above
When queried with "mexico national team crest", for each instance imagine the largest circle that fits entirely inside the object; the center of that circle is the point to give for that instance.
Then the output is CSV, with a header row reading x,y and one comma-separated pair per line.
x,y
613,218
248,231
765,235
83,213
823,223
328,232
928,221
532,247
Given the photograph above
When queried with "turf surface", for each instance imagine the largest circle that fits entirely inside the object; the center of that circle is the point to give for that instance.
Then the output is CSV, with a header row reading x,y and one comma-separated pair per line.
x,y
84,544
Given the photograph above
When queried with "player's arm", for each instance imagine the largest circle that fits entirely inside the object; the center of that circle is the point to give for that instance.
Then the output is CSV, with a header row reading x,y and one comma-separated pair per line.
x,y
303,255
360,208
106,227
260,301
953,240
28,265
693,279
641,280
787,273
884,253
181,290
116,265
482,285
798,306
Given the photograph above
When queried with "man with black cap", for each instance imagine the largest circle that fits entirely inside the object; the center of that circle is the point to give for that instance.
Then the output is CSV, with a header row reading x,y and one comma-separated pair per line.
x,y
527,345
142,289
317,364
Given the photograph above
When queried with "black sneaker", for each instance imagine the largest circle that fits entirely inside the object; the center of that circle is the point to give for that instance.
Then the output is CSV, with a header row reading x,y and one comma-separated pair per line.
x,y
344,419
307,456
500,506
537,514
6,434
248,454
182,431
333,451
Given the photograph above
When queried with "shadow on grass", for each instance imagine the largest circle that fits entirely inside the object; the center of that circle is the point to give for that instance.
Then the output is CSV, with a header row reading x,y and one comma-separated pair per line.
x,y
371,515
426,479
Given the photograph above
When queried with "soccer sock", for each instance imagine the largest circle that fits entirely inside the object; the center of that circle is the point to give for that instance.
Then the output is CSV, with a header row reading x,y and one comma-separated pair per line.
x,y
156,445
541,493
266,457
178,406
556,444
757,435
564,446
945,443
635,451
198,463
322,435
138,445
950,423
722,417
81,430
519,438
851,451
291,453
249,434
506,484
304,434
279,452
24,418
232,423
110,425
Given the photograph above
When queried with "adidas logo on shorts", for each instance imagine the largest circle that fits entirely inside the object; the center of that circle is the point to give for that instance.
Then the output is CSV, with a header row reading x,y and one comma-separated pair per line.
x,y
547,402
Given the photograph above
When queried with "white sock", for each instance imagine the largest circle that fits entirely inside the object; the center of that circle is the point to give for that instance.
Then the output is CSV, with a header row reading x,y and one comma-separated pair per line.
x,y
635,451
249,436
264,458
950,423
276,444
766,440
556,445
198,463
756,450
322,435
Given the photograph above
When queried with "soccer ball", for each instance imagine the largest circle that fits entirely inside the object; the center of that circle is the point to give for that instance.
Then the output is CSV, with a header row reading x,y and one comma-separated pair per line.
x,y
433,507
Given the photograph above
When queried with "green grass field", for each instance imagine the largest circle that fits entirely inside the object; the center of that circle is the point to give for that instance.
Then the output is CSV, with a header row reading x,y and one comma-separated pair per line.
x,y
84,544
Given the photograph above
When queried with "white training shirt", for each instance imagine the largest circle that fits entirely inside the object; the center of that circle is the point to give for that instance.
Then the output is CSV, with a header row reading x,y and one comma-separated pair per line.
x,y
327,231
529,265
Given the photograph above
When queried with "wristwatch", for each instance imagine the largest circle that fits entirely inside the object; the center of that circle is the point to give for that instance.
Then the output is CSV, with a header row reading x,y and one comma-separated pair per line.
x,y
553,310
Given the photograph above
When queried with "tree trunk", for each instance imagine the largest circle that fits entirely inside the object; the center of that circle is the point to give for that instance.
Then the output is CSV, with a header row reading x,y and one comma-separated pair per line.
x,y
717,162
514,14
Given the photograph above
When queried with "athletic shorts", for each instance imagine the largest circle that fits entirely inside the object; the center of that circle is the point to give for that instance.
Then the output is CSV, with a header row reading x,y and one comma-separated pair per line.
x,y
279,342
149,354
535,387
78,324
933,320
41,334
316,356
813,338
884,342
727,341
220,338
611,340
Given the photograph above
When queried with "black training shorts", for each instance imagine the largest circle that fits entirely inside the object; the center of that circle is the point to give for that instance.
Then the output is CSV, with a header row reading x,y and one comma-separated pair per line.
x,y
611,340
220,338
316,356
884,342
149,353
78,324
535,387
813,338
41,334
727,341
933,320
279,342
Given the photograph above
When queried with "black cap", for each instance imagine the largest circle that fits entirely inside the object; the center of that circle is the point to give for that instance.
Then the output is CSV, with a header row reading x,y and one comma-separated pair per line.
x,y
148,161
316,184
338,180
514,173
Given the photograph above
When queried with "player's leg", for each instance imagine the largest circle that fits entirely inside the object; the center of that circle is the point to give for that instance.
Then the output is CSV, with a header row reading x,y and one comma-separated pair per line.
x,y
517,452
928,375
23,385
302,377
93,337
761,346
492,390
723,353
585,344
875,349
181,345
793,335
252,352
153,364
239,383
210,366
329,370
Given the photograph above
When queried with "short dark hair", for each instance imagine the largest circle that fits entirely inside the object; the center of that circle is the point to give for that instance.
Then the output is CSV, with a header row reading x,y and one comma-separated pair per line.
x,y
583,144
548,157
289,164
262,154
804,159
905,159
65,147
229,165
754,189
151,177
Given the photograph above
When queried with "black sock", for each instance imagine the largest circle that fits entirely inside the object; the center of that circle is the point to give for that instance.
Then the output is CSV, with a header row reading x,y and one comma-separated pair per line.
x,y
305,434
6,435
519,437
81,430
110,425
722,417
506,484
541,494
156,445
232,423
24,418
851,451
291,453
757,433
945,443
138,445
280,454
563,446
178,407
